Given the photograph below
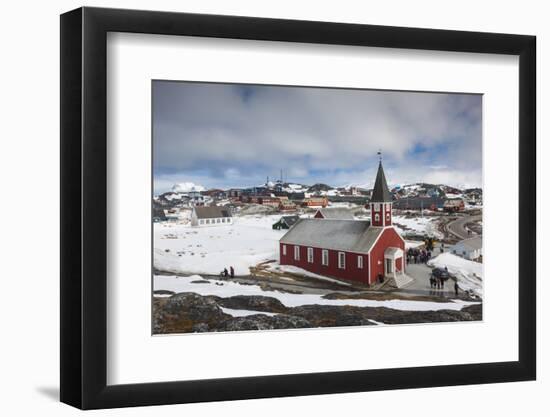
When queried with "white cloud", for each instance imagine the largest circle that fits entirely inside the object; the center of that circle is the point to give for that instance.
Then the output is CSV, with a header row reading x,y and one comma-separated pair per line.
x,y
226,133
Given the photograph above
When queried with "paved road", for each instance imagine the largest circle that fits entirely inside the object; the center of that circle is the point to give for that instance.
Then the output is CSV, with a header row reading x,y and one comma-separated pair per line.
x,y
458,227
421,284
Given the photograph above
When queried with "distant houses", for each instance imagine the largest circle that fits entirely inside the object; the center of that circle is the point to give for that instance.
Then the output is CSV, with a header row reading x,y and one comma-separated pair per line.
x,y
315,202
196,198
211,216
453,205
264,200
419,203
470,248
433,203
286,205
285,222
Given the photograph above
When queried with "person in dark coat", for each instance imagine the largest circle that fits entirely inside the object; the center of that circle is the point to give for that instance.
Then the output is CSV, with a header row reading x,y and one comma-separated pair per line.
x,y
225,272
456,288
232,272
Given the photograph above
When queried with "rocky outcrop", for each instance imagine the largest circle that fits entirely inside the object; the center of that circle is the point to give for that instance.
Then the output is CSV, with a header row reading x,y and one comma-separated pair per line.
x,y
253,302
182,313
190,312
263,322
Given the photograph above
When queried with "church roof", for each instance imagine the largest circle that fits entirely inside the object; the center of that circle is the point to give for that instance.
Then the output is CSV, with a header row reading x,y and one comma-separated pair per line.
x,y
345,235
336,213
290,220
211,212
380,192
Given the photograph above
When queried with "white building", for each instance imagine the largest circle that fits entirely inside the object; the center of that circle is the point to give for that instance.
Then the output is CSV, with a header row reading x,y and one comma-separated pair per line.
x,y
211,216
468,248
196,198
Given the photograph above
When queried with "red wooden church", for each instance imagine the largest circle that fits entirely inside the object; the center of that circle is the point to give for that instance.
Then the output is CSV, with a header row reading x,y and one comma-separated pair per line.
x,y
351,250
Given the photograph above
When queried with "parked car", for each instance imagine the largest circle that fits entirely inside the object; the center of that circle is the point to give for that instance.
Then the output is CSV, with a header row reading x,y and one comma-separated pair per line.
x,y
440,273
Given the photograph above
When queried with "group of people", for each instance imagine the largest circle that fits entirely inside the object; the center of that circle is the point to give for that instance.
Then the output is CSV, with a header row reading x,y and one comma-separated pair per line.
x,y
418,256
231,273
437,283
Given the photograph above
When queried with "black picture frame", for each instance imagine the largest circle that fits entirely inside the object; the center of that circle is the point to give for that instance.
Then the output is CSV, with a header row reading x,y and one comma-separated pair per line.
x,y
84,207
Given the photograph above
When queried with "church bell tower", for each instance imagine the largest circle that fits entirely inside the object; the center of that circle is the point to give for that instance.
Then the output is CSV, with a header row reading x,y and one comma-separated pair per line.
x,y
381,200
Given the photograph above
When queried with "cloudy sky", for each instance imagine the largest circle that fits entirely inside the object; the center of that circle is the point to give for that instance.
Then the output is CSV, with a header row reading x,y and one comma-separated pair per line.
x,y
229,135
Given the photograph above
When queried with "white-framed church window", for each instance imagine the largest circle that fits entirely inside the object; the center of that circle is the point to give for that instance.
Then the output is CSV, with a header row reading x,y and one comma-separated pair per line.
x,y
377,217
324,257
360,262
310,255
296,253
342,260
284,250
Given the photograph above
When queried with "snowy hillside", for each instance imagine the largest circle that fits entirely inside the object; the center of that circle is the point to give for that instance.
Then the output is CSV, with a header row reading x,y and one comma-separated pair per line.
x,y
294,188
407,225
186,187
469,274
426,190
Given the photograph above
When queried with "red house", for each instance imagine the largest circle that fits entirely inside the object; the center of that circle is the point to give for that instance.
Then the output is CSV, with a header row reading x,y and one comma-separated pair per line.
x,y
350,250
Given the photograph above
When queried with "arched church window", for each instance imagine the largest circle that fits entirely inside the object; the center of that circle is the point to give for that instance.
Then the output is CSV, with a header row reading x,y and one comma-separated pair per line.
x,y
377,217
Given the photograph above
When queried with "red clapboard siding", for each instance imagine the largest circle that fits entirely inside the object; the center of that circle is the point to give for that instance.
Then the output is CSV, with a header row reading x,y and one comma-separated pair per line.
x,y
350,273
389,238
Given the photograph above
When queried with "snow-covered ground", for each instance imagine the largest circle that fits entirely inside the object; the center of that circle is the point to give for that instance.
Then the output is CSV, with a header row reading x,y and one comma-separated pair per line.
x,y
185,249
179,284
276,267
344,204
244,313
417,225
412,244
469,274
181,248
